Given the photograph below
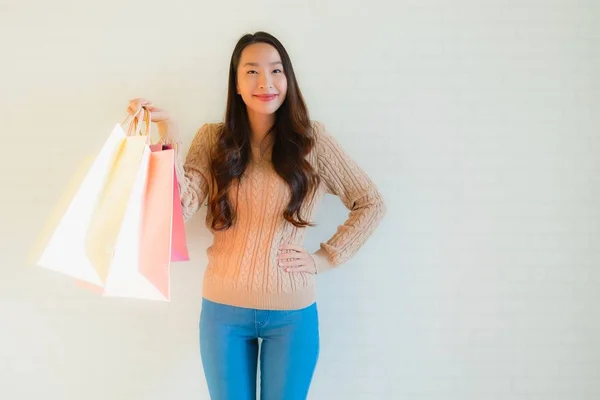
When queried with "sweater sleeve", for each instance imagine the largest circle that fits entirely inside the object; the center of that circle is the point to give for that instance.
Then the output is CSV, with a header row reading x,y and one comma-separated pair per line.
x,y
344,178
193,173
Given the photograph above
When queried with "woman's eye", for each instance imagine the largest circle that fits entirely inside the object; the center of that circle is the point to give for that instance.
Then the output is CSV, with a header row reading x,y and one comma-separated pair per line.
x,y
277,71
252,72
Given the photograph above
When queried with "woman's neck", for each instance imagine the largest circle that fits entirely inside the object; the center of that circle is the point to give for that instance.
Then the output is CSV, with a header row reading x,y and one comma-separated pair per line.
x,y
260,125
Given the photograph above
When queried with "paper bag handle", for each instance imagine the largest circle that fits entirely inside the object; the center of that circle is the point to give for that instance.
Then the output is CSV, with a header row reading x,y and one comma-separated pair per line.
x,y
146,116
126,124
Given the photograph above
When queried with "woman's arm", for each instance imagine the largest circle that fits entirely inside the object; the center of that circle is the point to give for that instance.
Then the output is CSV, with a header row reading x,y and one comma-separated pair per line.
x,y
344,178
193,174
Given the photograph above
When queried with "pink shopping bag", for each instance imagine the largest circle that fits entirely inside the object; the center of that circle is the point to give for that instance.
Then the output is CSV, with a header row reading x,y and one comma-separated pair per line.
x,y
158,233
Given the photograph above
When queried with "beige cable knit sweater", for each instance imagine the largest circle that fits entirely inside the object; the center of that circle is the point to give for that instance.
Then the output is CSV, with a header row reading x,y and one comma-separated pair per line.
x,y
242,268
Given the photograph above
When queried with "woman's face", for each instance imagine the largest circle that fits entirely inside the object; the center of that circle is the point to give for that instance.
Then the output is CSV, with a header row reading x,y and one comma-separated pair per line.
x,y
261,80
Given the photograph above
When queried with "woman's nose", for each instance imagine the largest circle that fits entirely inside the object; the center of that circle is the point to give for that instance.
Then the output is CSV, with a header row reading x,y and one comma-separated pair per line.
x,y
265,82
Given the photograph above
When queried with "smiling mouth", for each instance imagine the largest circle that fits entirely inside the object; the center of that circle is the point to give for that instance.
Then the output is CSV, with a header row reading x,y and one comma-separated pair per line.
x,y
265,97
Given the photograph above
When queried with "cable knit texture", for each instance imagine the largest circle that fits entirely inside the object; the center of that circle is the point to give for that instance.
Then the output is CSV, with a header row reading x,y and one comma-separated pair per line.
x,y
242,266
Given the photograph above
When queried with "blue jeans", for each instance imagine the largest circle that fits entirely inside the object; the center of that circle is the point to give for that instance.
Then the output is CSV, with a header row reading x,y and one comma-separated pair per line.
x,y
230,351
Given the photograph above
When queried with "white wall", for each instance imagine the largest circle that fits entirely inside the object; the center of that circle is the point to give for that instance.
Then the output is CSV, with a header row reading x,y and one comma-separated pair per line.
x,y
478,120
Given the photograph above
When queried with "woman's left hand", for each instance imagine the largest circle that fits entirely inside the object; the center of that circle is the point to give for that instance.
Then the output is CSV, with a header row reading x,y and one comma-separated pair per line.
x,y
296,259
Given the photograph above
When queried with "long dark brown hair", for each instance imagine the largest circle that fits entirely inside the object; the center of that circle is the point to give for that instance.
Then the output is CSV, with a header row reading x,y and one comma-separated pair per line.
x,y
293,140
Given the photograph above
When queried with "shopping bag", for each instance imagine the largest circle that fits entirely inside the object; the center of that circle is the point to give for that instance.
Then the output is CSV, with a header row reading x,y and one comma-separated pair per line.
x,y
106,221
162,195
125,276
179,249
153,225
67,249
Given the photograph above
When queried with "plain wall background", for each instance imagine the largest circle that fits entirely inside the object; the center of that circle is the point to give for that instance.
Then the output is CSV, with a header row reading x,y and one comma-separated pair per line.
x,y
477,119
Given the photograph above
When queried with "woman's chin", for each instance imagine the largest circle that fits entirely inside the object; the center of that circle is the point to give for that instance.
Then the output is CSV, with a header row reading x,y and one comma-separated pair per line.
x,y
264,109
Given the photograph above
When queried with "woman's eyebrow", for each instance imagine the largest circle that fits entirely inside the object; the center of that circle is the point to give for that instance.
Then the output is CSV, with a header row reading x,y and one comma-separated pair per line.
x,y
253,64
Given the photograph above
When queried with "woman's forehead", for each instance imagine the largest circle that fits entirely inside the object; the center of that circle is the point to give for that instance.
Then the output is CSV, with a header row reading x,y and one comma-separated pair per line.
x,y
260,53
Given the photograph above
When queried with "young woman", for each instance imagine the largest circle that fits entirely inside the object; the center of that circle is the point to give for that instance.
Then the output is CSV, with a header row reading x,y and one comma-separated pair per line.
x,y
262,172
